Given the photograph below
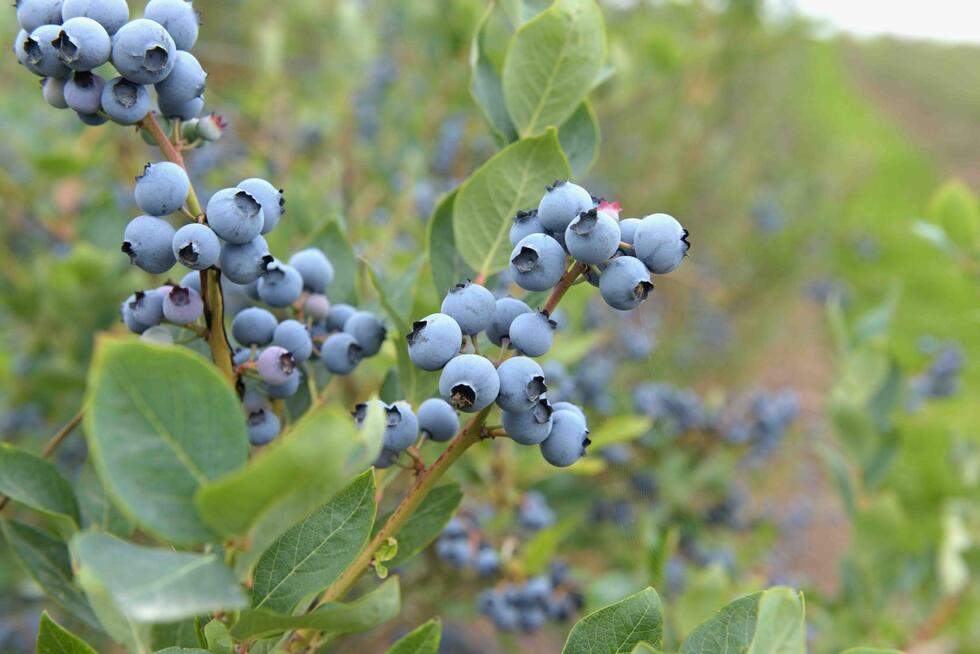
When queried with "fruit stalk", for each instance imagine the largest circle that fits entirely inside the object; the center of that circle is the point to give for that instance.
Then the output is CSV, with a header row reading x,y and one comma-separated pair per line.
x,y
214,313
565,283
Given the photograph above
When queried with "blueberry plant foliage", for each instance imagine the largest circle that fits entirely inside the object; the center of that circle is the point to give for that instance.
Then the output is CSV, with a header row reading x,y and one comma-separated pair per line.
x,y
234,506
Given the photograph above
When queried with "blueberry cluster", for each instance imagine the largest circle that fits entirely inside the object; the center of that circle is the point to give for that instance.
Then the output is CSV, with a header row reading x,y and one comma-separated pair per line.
x,y
763,424
68,42
527,605
941,379
534,513
462,545
435,421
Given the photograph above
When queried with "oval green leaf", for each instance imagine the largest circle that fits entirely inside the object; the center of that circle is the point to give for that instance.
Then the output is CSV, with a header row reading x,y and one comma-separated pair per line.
x,y
579,138
423,640
771,621
619,627
36,484
426,523
52,638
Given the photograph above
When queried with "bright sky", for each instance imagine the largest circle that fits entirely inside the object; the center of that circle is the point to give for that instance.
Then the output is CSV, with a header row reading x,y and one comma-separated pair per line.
x,y
946,20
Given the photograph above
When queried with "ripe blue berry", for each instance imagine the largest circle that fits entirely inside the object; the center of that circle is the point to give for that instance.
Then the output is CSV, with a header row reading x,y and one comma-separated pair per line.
x,y
245,263
147,306
83,44
283,391
506,310
568,406
182,306
19,43
294,337
339,313
276,365
592,237
568,439
341,353
529,427
126,313
273,203
532,333
263,426
487,562
281,285
162,188
521,384
438,420
469,383
53,92
627,231
316,306
235,215
178,17
314,267
386,459
401,427
253,326
92,120
661,243
433,341
184,83
110,14
625,283
149,243
42,56
368,330
472,307
32,14
196,246
525,223
125,102
143,52
186,111
561,203
83,92
537,262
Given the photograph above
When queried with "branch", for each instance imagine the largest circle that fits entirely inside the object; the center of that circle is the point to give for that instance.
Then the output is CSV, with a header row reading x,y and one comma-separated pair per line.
x,y
563,285
53,444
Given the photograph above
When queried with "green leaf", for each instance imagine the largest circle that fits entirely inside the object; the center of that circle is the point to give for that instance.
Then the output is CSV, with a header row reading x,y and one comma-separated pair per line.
x,y
183,650
579,138
540,550
870,650
486,86
48,563
308,557
364,613
37,484
618,429
427,522
423,640
330,238
645,648
161,422
52,638
183,633
298,473
513,179
617,628
149,585
218,638
97,508
448,267
955,208
551,64
770,622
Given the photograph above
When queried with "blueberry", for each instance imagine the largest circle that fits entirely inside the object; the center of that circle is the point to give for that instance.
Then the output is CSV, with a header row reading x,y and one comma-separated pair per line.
x,y
386,459
368,330
469,383
438,420
283,391
456,552
316,306
487,562
625,283
182,110
178,17
92,120
254,326
401,427
568,406
185,82
147,306
53,92
525,224
162,188
83,44
506,310
341,353
149,243
245,263
538,589
505,617
196,246
295,337
627,231
561,203
273,203
236,297
532,333
83,92
592,237
472,307
126,314
263,426
314,267
110,14
276,365
433,341
235,215
339,313
532,618
281,285
143,51
521,384
661,243
182,306
42,56
537,262
455,528
20,41
529,427
32,14
125,102
568,439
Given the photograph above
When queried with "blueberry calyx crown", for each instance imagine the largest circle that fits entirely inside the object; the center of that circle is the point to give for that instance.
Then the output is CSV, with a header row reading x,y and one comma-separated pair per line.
x,y
526,259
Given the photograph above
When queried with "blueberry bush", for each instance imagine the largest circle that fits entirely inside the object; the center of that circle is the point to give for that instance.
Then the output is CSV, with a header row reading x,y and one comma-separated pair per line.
x,y
371,380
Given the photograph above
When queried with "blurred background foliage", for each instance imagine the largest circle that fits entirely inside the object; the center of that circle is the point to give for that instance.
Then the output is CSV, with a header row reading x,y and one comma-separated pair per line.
x,y
832,259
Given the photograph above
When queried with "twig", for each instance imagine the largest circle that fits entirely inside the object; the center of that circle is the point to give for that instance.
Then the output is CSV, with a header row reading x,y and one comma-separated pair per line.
x,y
563,285
53,444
